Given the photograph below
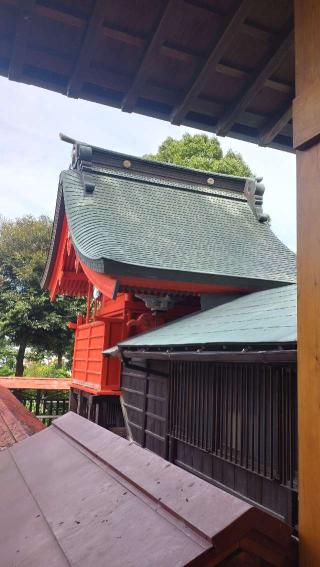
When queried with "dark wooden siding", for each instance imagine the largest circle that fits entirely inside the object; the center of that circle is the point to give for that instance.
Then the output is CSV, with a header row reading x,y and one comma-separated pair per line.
x,y
233,424
146,396
104,410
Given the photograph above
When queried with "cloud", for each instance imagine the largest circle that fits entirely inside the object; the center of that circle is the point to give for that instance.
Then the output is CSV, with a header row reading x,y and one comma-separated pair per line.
x,y
32,156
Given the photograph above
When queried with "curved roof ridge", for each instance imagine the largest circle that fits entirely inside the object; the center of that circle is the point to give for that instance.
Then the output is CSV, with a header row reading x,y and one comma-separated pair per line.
x,y
125,223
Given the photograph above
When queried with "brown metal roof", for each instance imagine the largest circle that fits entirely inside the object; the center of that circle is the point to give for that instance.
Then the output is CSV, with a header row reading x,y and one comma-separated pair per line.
x,y
37,383
225,66
16,422
76,494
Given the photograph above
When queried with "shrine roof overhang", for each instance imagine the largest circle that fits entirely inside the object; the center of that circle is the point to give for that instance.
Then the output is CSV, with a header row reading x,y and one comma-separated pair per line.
x,y
128,217
222,66
244,325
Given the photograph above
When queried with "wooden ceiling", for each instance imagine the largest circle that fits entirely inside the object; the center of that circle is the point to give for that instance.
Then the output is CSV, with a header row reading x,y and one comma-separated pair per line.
x,y
225,66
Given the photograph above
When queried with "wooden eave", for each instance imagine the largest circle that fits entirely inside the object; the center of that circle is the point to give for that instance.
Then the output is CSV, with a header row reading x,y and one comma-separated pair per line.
x,y
67,274
258,356
225,67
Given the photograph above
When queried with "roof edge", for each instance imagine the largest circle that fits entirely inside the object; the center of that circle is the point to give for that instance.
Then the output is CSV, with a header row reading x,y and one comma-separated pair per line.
x,y
56,230
98,152
115,268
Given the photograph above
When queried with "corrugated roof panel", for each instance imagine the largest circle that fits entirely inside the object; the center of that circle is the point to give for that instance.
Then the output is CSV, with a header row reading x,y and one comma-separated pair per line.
x,y
263,317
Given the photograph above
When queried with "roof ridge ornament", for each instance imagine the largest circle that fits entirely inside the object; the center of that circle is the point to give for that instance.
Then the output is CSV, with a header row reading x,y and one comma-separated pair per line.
x,y
81,154
253,191
84,154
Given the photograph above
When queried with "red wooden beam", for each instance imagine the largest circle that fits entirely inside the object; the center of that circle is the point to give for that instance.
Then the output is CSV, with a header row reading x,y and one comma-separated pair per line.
x,y
35,383
185,288
105,283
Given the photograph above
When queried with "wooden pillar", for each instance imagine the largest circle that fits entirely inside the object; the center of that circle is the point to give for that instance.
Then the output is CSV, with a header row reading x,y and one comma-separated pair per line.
x,y
306,120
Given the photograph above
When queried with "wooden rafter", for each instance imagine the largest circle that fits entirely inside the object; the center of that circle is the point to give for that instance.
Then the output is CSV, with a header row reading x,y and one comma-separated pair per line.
x,y
248,27
90,36
20,39
62,64
166,49
226,37
56,14
73,276
147,59
59,16
258,81
272,129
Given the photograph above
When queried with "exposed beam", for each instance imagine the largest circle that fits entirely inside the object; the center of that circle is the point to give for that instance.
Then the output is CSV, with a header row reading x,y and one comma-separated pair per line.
x,y
124,37
168,50
90,36
226,69
257,82
272,129
20,39
153,47
225,39
79,22
279,86
256,32
249,28
59,16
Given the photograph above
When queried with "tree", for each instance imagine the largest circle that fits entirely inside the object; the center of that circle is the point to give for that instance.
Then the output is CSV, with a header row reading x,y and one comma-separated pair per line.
x,y
27,316
7,357
201,152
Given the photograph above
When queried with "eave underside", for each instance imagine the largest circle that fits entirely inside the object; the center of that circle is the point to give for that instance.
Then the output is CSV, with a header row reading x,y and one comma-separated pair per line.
x,y
230,64
69,274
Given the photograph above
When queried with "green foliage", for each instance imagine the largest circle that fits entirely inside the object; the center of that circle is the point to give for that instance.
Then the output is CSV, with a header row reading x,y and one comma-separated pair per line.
x,y
28,317
6,370
24,245
200,151
7,357
42,369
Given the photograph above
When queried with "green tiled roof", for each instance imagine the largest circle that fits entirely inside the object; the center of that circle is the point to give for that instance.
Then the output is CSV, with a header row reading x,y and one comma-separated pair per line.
x,y
165,222
264,317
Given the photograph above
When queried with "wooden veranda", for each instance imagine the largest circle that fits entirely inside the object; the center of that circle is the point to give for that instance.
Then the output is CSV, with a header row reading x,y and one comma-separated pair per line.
x,y
231,67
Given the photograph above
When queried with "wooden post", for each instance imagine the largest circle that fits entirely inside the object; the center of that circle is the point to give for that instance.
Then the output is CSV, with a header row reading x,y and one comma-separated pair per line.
x,y
90,398
306,121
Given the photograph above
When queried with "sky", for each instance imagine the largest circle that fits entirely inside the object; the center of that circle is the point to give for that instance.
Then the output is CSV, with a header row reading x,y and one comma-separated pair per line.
x,y
32,155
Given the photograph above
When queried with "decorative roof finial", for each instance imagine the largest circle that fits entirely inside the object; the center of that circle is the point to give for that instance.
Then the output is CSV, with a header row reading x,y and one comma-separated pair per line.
x,y
254,191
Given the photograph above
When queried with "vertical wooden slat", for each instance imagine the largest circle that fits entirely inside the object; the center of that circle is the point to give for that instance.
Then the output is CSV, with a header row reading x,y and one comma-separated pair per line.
x,y
240,413
264,439
236,413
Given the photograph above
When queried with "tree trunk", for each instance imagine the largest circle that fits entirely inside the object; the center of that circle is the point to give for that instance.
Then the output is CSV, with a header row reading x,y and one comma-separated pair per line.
x,y
20,359
59,360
